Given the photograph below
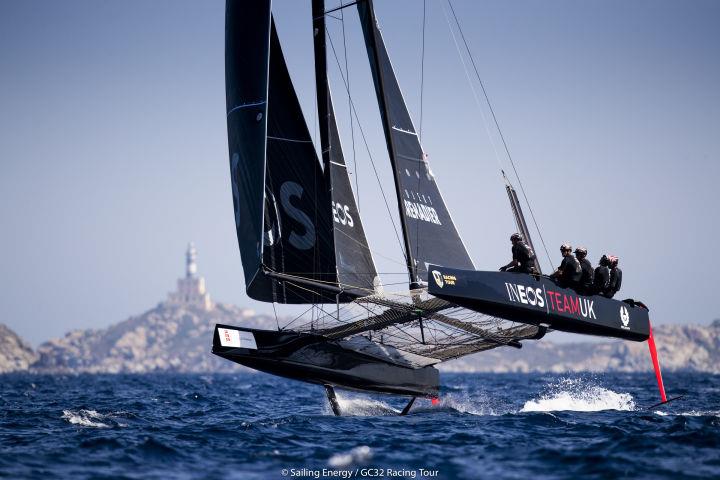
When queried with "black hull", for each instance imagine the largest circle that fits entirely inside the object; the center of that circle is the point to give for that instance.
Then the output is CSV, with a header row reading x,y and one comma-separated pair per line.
x,y
314,359
538,300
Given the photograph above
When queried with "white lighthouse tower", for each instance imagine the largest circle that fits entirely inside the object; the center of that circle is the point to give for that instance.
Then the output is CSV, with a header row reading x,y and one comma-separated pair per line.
x,y
191,289
191,261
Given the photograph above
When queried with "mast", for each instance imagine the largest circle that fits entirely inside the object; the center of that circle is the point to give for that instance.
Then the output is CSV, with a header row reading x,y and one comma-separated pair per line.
x,y
321,81
355,268
369,23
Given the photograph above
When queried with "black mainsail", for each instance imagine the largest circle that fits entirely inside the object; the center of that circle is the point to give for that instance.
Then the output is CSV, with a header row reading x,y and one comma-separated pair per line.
x,y
355,266
283,224
428,229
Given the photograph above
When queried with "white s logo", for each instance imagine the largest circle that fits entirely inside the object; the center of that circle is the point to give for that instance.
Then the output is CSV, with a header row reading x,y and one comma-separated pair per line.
x,y
307,240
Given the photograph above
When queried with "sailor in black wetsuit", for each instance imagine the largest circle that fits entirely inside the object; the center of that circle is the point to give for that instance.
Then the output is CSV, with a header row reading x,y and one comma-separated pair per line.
x,y
615,277
569,273
586,278
523,257
601,280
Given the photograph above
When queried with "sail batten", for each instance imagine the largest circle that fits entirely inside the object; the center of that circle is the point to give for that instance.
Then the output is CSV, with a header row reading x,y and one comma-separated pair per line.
x,y
429,233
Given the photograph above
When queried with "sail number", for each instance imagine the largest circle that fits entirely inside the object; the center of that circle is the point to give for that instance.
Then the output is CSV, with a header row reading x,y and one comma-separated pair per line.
x,y
341,214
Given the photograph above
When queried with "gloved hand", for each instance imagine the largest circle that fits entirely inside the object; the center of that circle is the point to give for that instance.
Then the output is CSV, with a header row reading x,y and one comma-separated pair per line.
x,y
502,269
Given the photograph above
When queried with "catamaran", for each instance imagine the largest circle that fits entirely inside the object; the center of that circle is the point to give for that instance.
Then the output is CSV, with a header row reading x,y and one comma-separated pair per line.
x,y
302,240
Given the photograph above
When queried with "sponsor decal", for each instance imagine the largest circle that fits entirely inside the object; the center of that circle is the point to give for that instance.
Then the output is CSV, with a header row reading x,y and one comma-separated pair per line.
x,y
441,280
624,318
341,214
526,295
418,211
551,301
236,338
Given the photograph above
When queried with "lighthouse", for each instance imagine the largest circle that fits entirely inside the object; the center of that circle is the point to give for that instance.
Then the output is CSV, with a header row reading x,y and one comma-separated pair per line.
x,y
191,261
191,290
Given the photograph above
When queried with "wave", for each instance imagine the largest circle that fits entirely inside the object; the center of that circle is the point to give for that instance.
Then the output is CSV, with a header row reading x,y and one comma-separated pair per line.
x,y
92,418
361,407
359,454
464,403
691,413
579,395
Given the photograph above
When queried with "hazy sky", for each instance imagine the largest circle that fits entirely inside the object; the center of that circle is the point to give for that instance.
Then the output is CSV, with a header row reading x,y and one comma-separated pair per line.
x,y
113,144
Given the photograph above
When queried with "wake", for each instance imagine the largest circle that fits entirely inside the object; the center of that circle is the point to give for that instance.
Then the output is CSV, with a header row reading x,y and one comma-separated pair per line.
x,y
566,394
579,396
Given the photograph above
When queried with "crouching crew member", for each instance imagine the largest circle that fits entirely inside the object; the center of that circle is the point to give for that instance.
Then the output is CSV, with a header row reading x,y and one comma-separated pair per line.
x,y
615,277
569,273
601,279
523,257
586,278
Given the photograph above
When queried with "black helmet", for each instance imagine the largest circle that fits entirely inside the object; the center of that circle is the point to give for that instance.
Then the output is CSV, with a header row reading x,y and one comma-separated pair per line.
x,y
516,237
565,247
604,260
581,251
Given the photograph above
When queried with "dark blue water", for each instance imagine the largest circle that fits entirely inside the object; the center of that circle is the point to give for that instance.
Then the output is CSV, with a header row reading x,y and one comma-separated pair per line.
x,y
258,426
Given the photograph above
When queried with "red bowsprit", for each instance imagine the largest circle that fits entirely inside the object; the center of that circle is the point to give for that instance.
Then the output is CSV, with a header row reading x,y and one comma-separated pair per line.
x,y
656,366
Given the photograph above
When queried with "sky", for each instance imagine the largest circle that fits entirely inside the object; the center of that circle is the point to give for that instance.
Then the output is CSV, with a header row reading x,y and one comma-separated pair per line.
x,y
113,147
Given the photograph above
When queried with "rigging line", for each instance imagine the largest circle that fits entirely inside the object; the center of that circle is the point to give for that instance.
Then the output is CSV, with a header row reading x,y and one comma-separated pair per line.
x,y
327,282
365,245
422,72
277,322
422,85
472,88
340,7
297,318
367,147
352,128
502,137
313,294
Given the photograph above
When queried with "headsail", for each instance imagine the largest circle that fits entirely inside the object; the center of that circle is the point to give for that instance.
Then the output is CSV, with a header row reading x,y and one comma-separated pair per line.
x,y
282,220
355,267
429,232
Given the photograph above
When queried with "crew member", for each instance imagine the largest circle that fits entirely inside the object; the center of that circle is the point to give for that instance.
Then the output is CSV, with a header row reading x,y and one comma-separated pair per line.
x,y
601,279
615,277
523,258
569,273
586,278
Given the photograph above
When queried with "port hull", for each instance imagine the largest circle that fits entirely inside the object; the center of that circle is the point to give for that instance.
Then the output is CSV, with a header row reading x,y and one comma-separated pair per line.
x,y
314,359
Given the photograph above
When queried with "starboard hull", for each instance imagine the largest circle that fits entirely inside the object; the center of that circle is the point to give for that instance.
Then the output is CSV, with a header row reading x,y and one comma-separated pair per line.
x,y
314,359
537,300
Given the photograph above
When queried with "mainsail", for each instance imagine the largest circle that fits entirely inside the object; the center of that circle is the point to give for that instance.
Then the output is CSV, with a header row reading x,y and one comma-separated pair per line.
x,y
355,267
429,232
284,227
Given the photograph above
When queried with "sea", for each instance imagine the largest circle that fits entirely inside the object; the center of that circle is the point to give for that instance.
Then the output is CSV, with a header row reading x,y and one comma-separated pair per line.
x,y
256,426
